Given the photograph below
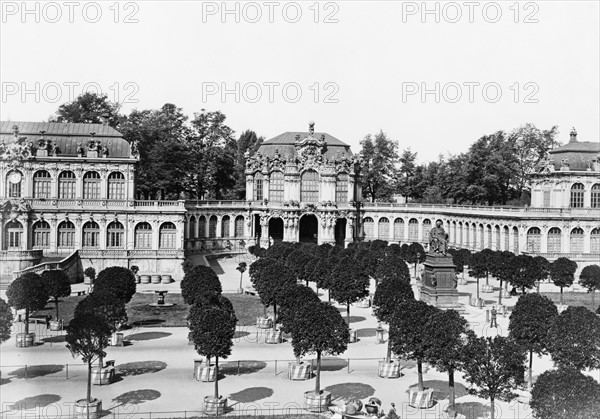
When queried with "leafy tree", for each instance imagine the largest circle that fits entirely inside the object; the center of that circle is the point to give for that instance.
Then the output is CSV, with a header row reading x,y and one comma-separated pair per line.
x,y
318,328
118,281
6,319
448,331
89,108
321,272
524,269
292,300
415,254
503,268
530,323
199,282
479,266
298,261
212,330
391,267
349,284
562,272
241,268
271,281
379,155
87,336
574,339
590,278
565,393
246,146
58,285
407,161
409,332
280,251
495,366
27,292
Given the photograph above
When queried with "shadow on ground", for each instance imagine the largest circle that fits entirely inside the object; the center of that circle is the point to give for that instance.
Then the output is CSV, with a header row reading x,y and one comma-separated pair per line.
x,y
252,394
148,322
472,410
241,367
346,390
36,371
331,364
135,397
140,367
147,336
54,339
441,390
33,402
366,333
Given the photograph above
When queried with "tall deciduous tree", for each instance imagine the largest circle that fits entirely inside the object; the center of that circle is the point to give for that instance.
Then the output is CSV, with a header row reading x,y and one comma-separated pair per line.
x,y
27,292
199,282
562,272
407,161
116,280
379,154
349,284
6,319
246,146
89,108
590,279
530,323
58,285
391,266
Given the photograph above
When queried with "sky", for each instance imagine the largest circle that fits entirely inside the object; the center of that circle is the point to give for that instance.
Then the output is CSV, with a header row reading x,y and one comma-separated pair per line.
x,y
434,76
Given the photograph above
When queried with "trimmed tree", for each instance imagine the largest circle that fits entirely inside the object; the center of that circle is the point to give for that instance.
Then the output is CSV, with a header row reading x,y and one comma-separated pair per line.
x,y
349,283
27,292
503,269
562,272
589,278
565,393
391,267
6,319
241,268
524,269
297,261
574,339
415,254
541,270
495,366
409,332
478,268
199,282
118,281
58,285
529,324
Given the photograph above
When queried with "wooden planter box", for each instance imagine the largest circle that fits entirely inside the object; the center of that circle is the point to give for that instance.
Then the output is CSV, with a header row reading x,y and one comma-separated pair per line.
x,y
138,279
155,279
420,399
214,407
264,323
144,279
487,288
116,339
317,403
56,325
206,373
84,410
389,369
506,295
353,337
103,376
166,279
274,336
301,371
25,340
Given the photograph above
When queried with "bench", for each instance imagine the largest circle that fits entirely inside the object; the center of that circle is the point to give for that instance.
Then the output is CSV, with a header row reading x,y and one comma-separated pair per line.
x,y
40,318
78,293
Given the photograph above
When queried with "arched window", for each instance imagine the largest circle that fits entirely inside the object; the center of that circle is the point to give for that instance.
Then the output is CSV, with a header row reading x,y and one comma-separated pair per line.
x,y
91,234
369,228
595,198
595,241
534,239
167,235
309,186
258,187
481,237
192,227
554,240
41,235
14,180
202,227
41,184
91,185
398,229
459,240
577,195
576,240
66,185
426,229
116,186
515,240
239,226
13,234
66,234
143,236
341,187
498,241
212,227
383,229
488,232
276,187
115,235
467,235
413,230
506,238
225,226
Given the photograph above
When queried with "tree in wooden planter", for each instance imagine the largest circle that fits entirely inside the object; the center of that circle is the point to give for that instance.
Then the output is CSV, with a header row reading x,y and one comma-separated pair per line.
x,y
87,336
6,319
241,268
565,393
197,282
90,275
574,339
321,272
27,292
523,272
349,283
58,285
320,329
494,366
530,323
562,272
212,329
118,281
589,278
281,250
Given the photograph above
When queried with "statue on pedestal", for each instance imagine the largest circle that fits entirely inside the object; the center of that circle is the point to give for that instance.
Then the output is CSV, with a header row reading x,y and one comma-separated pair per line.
x,y
438,239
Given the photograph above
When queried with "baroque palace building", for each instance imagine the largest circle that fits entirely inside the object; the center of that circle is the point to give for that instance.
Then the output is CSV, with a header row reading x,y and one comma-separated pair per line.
x,y
67,197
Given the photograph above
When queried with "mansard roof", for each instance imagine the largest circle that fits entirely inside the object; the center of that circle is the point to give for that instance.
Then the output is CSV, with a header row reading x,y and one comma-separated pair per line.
x,y
285,144
579,154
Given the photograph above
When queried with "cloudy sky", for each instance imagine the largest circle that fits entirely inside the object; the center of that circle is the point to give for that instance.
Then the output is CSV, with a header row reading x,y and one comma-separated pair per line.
x,y
434,76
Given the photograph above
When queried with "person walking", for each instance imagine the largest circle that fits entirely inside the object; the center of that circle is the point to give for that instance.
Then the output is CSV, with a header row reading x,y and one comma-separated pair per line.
x,y
493,319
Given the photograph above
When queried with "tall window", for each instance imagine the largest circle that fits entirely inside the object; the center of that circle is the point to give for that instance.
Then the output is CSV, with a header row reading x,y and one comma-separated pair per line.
x,y
276,187
202,227
66,185
460,234
554,240
14,180
66,234
595,201
41,235
369,228
41,184
13,235
488,232
168,232
516,240
576,240
577,195
413,230
192,227
212,227
143,236
426,229
309,186
398,229
534,239
383,229
91,234
506,238
115,235
225,226
595,241
498,241
341,188
239,226
91,185
258,187
116,186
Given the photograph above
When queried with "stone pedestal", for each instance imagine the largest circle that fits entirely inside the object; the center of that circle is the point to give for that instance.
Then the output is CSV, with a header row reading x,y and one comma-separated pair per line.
x,y
438,282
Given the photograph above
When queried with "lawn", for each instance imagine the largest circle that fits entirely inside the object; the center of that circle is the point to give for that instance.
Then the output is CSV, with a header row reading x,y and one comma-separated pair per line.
x,y
574,299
